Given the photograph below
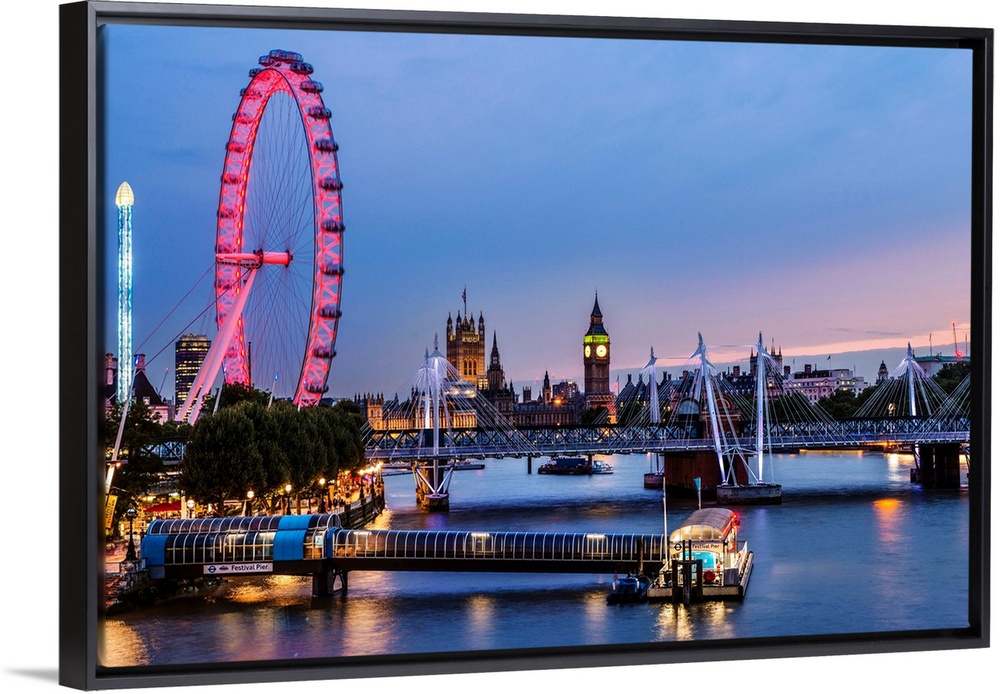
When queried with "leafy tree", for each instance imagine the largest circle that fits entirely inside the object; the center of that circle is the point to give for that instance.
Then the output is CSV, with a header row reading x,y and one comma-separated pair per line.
x,y
137,468
323,420
171,429
233,394
297,436
844,404
249,446
275,462
840,404
791,407
348,440
951,375
223,459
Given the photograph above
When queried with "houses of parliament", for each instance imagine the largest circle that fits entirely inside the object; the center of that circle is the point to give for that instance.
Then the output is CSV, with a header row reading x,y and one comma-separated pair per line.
x,y
560,404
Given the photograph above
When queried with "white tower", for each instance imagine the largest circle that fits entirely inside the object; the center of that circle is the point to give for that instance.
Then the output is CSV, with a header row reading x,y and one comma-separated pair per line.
x,y
124,199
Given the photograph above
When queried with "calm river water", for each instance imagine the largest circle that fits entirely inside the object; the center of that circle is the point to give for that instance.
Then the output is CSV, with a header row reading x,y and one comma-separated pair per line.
x,y
854,547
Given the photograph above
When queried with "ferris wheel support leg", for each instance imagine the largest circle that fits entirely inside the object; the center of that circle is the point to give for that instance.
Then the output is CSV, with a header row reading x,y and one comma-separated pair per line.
x,y
213,360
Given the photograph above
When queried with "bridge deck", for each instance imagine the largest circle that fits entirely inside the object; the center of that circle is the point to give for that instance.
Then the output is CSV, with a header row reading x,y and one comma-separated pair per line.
x,y
437,550
411,444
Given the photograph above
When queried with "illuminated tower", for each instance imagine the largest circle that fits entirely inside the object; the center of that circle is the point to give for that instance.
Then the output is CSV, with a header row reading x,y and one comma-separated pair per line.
x,y
189,353
466,347
597,364
596,354
124,199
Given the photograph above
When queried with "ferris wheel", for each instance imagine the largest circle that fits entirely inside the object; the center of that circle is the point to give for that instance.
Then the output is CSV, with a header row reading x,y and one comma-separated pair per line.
x,y
279,240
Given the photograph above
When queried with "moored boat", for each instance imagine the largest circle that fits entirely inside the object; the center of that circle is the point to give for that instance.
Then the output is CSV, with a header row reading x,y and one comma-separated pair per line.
x,y
565,465
630,589
599,467
748,494
469,464
705,560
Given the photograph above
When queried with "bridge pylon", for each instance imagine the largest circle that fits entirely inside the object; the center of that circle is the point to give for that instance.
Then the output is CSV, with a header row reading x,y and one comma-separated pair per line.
x,y
437,424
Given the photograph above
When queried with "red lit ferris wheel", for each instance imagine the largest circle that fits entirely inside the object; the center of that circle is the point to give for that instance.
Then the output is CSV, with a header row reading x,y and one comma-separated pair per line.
x,y
279,240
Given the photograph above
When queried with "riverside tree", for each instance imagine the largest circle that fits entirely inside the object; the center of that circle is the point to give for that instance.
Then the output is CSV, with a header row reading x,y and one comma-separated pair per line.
x,y
252,447
138,467
223,458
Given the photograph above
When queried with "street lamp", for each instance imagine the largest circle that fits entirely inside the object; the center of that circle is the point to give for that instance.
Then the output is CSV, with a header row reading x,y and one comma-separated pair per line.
x,y
288,499
190,505
250,502
130,554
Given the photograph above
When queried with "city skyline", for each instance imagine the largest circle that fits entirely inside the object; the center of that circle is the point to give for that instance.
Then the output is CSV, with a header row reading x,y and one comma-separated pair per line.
x,y
816,194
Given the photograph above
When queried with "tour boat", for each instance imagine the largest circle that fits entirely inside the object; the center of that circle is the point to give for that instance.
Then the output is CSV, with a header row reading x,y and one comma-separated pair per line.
x,y
469,464
565,465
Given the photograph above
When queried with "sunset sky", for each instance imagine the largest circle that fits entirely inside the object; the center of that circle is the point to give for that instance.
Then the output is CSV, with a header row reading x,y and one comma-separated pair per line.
x,y
817,194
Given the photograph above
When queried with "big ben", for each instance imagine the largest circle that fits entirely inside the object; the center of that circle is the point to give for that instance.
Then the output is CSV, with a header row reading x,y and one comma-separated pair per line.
x,y
597,364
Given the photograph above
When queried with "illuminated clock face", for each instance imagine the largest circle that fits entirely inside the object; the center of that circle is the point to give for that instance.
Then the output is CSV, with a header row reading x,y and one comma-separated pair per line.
x,y
602,351
586,351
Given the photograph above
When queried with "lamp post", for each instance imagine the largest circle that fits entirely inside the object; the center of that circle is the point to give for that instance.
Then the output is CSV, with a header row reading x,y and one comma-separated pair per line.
x,y
190,505
322,490
130,554
288,499
250,503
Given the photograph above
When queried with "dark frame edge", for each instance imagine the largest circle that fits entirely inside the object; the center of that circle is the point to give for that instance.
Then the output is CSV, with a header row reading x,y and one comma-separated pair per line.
x,y
619,26
982,308
79,361
78,486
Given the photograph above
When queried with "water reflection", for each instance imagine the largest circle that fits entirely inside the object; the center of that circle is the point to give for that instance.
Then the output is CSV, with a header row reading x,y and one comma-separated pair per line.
x,y
121,645
679,622
481,610
854,547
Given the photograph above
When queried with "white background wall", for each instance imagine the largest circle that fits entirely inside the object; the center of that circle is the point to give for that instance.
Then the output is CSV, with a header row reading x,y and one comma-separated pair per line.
x,y
29,290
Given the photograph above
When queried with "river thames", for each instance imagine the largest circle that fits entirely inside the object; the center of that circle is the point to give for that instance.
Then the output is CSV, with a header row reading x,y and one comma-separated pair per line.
x,y
854,548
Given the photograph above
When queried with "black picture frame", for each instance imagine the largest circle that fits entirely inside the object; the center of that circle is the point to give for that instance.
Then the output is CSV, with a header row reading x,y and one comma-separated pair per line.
x,y
80,351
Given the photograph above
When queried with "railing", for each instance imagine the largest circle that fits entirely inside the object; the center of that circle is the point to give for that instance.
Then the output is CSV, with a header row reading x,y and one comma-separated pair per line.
x,y
412,444
505,546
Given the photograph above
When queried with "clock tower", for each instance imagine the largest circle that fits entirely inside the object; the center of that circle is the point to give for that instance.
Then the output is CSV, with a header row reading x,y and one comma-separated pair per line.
x,y
597,364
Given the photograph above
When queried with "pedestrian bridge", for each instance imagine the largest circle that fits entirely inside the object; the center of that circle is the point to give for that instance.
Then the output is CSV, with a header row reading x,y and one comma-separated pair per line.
x,y
413,444
319,546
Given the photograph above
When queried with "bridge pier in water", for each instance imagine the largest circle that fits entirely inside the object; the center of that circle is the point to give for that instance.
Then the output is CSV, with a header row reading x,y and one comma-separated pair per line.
x,y
432,480
325,584
682,467
938,465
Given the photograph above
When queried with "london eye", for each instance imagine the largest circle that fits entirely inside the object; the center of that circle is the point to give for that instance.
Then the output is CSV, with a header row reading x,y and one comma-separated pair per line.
x,y
279,240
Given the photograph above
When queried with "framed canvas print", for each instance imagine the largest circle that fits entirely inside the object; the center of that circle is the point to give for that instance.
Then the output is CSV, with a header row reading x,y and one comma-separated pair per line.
x,y
404,343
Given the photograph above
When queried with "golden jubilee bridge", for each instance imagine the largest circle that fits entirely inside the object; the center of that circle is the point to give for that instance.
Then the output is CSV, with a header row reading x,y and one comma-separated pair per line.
x,y
700,426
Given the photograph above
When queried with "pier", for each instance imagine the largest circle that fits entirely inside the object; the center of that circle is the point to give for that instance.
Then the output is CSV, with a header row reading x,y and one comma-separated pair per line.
x,y
319,546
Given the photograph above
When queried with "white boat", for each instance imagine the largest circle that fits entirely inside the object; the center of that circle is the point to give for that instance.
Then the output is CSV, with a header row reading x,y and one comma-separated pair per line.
x,y
705,560
395,468
469,464
404,468
599,467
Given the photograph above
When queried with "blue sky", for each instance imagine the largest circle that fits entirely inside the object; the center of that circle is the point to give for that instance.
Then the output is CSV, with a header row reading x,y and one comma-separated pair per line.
x,y
819,194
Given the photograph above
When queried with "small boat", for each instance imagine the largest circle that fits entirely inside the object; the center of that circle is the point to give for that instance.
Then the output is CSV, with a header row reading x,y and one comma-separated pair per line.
x,y
469,464
565,465
599,467
396,467
630,589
